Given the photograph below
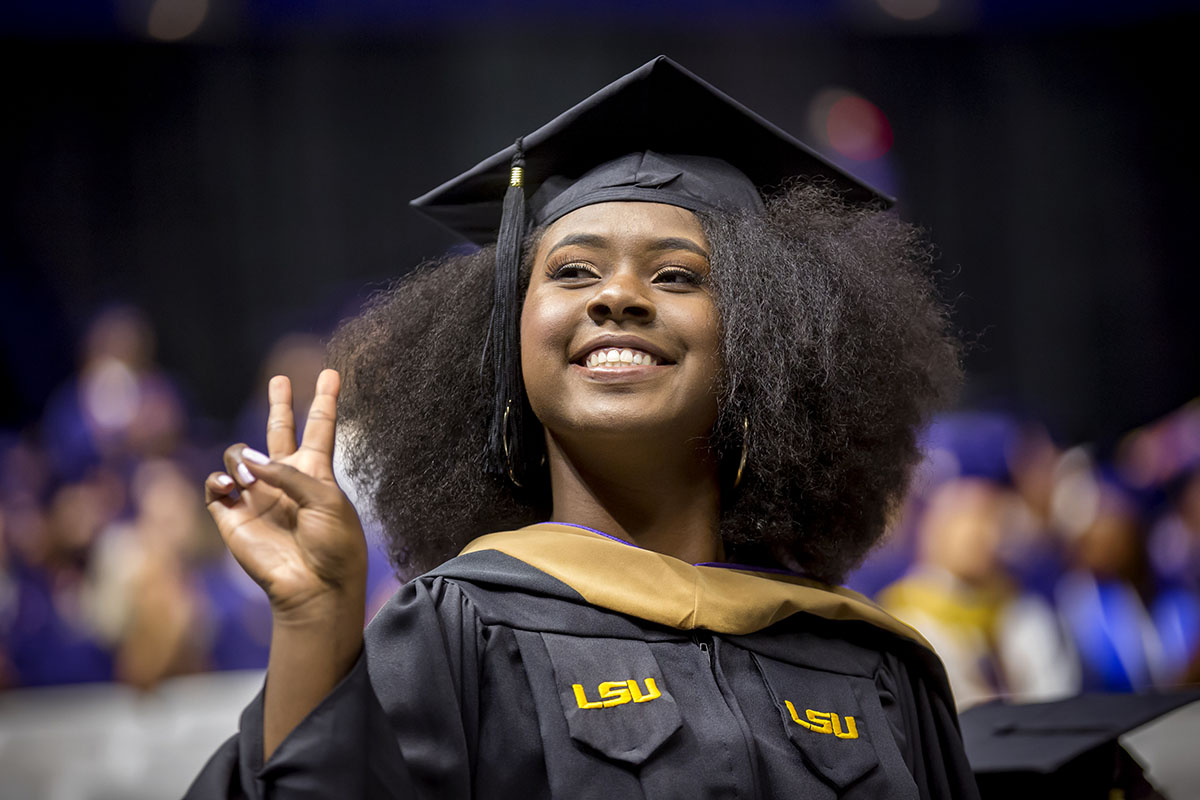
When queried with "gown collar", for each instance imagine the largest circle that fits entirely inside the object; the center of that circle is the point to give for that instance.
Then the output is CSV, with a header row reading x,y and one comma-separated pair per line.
x,y
724,598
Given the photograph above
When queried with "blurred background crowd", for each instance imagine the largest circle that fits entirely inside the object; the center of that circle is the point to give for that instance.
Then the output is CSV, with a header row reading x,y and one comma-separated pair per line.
x,y
110,567
193,192
1037,570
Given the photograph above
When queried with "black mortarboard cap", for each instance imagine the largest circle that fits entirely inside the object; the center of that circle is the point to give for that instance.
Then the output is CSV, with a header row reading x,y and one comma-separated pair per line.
x,y
1067,748
659,107
658,134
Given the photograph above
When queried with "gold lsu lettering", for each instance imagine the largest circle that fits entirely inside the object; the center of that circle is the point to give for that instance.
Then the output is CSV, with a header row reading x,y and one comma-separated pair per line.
x,y
615,693
824,722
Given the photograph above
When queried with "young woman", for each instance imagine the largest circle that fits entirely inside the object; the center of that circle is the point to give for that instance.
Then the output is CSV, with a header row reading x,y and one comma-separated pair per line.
x,y
713,400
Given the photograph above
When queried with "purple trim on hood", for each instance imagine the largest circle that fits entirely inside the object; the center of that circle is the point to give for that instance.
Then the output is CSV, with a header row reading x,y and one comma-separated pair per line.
x,y
749,568
593,530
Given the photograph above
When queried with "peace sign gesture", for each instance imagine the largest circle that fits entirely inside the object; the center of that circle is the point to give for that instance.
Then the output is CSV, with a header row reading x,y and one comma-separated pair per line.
x,y
290,526
293,531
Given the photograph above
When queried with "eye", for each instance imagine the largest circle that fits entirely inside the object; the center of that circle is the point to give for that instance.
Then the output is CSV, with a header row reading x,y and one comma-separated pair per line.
x,y
678,276
572,271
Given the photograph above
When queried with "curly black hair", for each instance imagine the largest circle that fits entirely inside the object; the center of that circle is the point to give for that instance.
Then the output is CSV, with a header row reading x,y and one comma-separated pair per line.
x,y
836,349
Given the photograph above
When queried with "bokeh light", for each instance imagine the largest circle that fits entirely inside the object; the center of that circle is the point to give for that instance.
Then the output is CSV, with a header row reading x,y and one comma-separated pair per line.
x,y
910,9
171,20
850,124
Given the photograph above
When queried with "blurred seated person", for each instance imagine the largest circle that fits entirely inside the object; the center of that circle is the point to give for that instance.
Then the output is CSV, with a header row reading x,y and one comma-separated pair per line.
x,y
119,406
143,593
995,639
1106,598
1175,557
1020,454
45,626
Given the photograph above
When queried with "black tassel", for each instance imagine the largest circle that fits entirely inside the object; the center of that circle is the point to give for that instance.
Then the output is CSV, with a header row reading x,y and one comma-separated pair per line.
x,y
505,433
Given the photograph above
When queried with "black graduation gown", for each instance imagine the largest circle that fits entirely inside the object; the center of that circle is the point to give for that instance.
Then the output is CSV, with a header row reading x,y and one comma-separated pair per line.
x,y
557,662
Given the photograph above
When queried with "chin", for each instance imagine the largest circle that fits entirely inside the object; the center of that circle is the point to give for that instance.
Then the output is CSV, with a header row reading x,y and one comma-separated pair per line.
x,y
617,422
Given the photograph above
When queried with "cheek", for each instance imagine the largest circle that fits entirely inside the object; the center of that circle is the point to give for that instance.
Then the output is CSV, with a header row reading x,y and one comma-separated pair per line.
x,y
713,329
541,324
545,332
705,335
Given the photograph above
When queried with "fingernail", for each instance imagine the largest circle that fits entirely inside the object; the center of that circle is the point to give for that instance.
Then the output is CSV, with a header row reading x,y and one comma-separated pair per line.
x,y
245,475
250,454
224,480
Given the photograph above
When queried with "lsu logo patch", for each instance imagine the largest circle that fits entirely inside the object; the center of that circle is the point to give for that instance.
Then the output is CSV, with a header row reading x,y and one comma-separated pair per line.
x,y
615,693
824,722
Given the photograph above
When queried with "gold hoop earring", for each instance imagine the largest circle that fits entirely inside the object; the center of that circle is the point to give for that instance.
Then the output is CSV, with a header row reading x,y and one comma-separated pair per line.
x,y
745,444
504,439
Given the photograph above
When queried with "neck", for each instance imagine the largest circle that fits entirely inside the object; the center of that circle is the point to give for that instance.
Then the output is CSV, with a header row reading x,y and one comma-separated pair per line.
x,y
660,497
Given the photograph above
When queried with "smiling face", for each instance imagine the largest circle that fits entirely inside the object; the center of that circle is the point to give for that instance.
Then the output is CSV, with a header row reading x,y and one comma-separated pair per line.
x,y
619,332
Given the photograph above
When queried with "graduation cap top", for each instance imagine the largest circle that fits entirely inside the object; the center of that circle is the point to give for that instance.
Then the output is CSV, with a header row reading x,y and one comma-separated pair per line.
x,y
660,107
658,134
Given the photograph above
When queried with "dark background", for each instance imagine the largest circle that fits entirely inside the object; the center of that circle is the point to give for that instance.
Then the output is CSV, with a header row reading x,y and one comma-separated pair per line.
x,y
253,178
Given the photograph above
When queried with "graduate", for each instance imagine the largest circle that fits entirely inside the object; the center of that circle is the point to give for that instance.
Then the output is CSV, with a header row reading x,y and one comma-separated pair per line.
x,y
636,440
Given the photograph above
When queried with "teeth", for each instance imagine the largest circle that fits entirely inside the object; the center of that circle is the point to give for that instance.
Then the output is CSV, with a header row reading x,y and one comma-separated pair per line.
x,y
618,357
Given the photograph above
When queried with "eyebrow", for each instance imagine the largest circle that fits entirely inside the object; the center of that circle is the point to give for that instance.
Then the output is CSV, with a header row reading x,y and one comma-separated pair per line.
x,y
657,246
677,243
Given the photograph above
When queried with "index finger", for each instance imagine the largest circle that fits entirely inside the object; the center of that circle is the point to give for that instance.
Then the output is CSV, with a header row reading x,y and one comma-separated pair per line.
x,y
322,416
281,421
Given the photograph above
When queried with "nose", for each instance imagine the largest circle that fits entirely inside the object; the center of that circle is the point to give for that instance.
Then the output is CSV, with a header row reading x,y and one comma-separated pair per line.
x,y
622,298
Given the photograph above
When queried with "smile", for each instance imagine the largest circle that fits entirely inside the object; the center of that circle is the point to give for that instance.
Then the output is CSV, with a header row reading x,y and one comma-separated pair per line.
x,y
619,358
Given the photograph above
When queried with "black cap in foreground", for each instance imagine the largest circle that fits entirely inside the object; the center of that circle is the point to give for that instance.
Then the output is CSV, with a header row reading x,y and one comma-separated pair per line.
x,y
1067,748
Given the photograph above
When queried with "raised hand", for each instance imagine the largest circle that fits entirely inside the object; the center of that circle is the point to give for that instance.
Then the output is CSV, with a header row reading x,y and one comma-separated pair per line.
x,y
293,530
289,525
